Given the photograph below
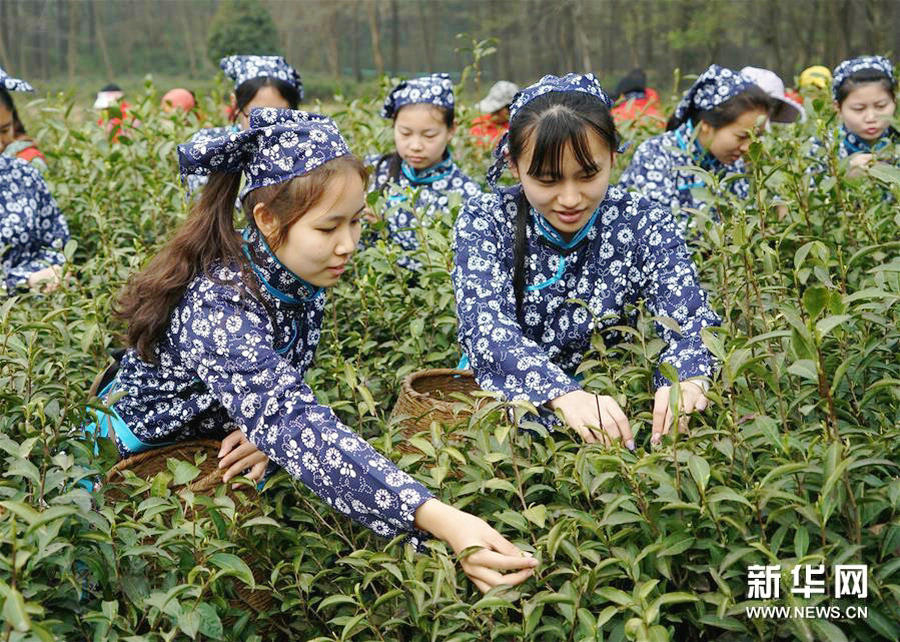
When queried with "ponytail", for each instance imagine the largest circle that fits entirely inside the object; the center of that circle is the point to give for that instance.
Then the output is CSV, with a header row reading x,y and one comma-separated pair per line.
x,y
206,237
393,170
519,251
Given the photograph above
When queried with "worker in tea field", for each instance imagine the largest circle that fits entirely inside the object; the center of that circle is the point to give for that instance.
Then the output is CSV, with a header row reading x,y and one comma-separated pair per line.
x,y
710,129
493,122
636,103
14,141
523,254
785,110
223,325
422,110
32,229
864,95
259,81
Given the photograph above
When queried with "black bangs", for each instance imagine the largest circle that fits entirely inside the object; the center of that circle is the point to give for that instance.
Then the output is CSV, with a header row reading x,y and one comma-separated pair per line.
x,y
555,120
556,130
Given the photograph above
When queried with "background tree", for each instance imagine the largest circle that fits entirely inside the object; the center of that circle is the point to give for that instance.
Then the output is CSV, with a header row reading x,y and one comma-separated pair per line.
x,y
241,27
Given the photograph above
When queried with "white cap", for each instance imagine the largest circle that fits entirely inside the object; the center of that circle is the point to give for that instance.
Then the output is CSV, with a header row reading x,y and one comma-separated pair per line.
x,y
501,95
107,99
788,111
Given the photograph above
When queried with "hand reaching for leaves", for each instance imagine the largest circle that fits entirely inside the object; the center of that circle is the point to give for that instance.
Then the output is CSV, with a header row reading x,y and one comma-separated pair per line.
x,y
692,399
463,531
237,454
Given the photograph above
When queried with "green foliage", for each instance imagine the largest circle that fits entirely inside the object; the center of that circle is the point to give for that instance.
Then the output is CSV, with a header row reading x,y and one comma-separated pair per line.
x,y
241,27
795,462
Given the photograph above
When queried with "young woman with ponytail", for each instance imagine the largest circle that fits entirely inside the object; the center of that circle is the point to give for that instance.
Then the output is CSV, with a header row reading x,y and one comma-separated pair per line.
x,y
524,253
222,326
710,129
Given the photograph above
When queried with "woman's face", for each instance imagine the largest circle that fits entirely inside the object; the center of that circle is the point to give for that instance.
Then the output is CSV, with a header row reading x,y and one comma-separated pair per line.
x,y
421,135
319,243
731,142
266,96
7,130
567,202
867,110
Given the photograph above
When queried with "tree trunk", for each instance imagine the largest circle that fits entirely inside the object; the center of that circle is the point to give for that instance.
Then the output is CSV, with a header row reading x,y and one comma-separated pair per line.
x,y
74,11
188,36
372,9
395,38
101,43
4,33
357,71
425,27
332,50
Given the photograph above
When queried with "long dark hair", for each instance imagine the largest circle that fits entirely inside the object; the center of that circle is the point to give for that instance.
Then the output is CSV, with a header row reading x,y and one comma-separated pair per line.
x,y
729,111
207,238
393,158
551,123
248,89
7,101
862,77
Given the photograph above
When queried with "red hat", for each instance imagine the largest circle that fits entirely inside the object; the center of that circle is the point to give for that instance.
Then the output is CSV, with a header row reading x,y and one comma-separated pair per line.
x,y
178,98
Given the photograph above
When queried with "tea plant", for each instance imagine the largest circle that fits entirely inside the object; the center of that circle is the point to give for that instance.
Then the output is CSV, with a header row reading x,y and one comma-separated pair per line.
x,y
796,461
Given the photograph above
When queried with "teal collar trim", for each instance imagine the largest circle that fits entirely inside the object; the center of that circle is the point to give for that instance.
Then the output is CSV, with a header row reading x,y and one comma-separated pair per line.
x,y
270,264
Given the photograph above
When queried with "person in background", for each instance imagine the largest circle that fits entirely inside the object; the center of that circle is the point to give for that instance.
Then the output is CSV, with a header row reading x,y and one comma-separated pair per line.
x,y
259,81
224,324
422,110
711,130
785,109
636,103
814,80
33,231
110,102
14,141
178,99
494,119
543,266
864,92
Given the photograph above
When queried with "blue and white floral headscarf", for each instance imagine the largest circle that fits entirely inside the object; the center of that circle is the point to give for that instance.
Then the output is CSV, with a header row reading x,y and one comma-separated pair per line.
x,y
242,68
586,83
279,145
13,84
850,67
436,89
712,88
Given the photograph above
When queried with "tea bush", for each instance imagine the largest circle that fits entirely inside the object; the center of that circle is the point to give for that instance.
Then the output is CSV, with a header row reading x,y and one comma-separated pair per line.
x,y
794,463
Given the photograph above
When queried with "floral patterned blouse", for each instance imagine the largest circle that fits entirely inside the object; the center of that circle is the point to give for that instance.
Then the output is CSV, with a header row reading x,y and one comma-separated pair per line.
x,y
32,229
235,359
629,250
653,174
434,183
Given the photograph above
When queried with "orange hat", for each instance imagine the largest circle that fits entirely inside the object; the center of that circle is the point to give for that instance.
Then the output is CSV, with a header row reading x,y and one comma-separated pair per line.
x,y
178,98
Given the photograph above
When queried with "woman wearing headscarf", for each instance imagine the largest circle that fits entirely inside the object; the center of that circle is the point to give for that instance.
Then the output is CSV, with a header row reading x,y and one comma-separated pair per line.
x,y
32,229
422,111
543,266
710,130
14,141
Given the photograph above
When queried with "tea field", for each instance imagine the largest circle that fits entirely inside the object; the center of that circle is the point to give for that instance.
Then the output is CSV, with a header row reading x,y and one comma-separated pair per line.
x,y
794,464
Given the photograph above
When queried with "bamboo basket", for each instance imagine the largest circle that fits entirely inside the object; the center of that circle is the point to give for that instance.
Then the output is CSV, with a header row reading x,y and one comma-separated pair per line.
x,y
148,464
425,396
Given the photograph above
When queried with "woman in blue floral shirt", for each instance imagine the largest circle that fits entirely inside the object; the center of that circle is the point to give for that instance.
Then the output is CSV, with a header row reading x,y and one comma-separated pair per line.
x,y
32,229
422,110
710,129
223,326
864,96
524,253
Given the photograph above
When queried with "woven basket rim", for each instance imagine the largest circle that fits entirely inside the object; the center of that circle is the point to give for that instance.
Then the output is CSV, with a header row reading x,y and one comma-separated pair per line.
x,y
407,385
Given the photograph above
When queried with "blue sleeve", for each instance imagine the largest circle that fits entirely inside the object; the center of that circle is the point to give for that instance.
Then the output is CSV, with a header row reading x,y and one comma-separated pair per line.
x,y
228,340
502,357
47,234
651,174
672,289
